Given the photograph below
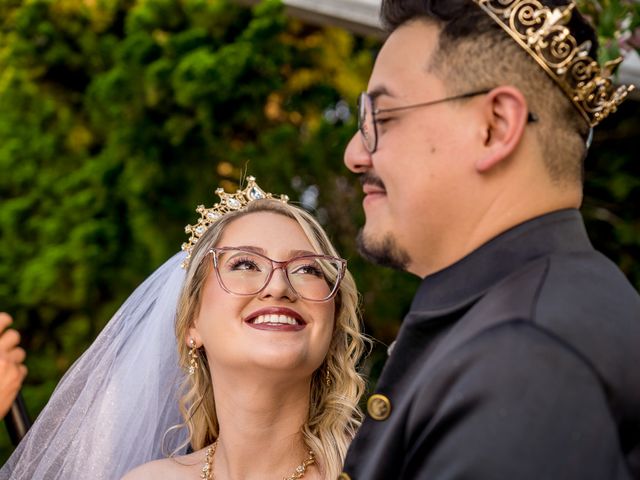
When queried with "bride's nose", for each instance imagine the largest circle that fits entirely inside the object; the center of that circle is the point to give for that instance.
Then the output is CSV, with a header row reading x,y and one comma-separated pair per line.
x,y
278,287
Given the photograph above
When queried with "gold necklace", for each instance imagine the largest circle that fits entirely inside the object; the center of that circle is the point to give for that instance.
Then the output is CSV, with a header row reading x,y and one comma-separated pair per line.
x,y
207,469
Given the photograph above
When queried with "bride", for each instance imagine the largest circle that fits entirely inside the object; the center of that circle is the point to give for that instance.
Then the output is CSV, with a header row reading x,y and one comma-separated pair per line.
x,y
263,384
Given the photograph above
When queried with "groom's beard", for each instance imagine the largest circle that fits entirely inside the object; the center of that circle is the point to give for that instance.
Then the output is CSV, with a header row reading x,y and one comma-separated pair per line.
x,y
385,251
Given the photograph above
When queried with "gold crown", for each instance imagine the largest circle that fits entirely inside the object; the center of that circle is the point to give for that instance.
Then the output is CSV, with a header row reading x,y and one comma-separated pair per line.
x,y
229,202
542,32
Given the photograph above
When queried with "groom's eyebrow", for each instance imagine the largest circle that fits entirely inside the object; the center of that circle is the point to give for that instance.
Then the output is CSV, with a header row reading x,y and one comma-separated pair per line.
x,y
379,91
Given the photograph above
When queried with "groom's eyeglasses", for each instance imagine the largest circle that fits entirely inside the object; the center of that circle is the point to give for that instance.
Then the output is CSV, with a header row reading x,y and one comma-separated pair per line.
x,y
367,123
244,272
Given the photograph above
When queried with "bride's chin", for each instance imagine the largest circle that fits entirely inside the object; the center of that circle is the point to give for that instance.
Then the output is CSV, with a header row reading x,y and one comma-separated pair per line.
x,y
282,368
291,365
270,361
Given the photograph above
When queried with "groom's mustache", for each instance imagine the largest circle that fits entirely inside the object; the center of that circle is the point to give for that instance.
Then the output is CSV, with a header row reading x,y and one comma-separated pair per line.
x,y
369,178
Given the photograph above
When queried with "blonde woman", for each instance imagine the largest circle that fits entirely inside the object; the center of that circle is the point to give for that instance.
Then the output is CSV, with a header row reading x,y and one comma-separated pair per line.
x,y
268,341
267,323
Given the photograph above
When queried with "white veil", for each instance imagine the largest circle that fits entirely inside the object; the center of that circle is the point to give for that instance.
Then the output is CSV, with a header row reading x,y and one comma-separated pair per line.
x,y
110,411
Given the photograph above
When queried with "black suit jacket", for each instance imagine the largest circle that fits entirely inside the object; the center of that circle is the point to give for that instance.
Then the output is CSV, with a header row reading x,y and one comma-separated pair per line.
x,y
521,361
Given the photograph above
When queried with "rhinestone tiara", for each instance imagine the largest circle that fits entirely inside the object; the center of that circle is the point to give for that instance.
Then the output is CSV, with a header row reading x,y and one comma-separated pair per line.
x,y
542,32
229,202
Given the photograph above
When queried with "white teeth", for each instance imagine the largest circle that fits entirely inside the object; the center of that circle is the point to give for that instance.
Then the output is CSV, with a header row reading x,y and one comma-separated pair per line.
x,y
275,319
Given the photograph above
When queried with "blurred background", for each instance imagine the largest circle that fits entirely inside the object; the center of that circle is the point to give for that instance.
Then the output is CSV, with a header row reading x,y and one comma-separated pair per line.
x,y
118,117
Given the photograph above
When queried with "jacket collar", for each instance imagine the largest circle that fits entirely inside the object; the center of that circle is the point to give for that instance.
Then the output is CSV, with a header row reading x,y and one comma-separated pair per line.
x,y
466,280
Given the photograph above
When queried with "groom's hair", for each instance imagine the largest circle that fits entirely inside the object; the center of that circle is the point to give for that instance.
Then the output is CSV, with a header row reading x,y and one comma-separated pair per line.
x,y
474,53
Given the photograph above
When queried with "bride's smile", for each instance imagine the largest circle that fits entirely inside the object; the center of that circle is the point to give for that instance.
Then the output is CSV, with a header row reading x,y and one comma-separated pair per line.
x,y
275,330
276,318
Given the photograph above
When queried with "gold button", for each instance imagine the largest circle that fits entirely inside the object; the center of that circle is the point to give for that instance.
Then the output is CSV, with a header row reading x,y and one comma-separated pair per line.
x,y
344,476
379,407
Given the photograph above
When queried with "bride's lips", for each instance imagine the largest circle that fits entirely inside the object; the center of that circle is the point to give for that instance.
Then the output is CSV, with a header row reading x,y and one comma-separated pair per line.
x,y
280,319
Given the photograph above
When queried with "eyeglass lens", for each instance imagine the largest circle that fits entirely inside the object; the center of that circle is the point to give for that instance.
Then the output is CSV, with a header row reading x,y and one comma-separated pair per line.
x,y
246,273
366,122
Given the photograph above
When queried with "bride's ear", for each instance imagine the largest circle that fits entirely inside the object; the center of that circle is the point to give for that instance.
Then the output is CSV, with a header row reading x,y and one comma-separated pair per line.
x,y
194,335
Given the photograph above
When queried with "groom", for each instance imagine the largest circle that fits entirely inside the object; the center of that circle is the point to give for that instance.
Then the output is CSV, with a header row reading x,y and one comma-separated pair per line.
x,y
519,357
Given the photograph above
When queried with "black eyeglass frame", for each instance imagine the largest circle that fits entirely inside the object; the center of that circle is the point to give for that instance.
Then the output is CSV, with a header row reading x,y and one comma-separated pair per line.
x,y
275,264
364,96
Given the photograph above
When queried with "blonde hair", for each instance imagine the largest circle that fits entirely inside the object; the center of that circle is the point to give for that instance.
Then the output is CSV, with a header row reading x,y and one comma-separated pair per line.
x,y
334,416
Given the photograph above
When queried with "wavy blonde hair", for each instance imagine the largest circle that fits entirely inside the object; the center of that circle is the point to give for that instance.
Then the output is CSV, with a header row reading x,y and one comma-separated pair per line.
x,y
334,416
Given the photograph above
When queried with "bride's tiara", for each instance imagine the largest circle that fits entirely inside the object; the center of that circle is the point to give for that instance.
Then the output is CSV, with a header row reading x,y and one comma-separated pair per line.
x,y
229,202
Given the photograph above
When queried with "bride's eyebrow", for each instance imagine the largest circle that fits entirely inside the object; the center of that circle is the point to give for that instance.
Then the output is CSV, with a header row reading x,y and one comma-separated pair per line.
x,y
299,253
249,248
262,251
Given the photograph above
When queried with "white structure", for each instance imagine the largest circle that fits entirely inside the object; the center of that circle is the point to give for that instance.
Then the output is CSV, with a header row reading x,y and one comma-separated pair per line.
x,y
359,16
629,72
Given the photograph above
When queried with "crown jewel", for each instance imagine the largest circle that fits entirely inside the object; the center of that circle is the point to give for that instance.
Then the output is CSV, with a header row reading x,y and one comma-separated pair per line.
x,y
229,202
543,33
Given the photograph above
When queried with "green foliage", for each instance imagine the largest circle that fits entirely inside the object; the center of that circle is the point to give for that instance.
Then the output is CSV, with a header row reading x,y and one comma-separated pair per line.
x,y
618,25
612,173
612,190
119,116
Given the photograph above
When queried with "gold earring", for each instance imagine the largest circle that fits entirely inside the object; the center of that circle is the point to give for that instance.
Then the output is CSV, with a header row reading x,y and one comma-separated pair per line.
x,y
193,357
327,378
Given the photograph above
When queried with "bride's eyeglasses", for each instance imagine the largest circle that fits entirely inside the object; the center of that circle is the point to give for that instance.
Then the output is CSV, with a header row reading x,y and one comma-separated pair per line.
x,y
244,272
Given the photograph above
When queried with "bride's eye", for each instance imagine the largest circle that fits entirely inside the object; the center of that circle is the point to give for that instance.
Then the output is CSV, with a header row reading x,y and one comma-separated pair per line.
x,y
310,269
243,264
